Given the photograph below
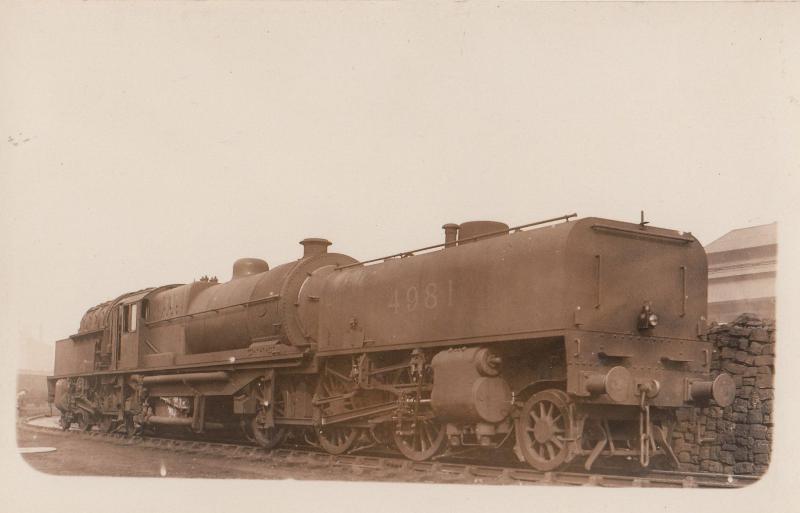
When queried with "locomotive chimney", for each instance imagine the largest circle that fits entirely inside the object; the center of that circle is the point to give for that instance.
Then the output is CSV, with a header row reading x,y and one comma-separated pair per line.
x,y
248,266
313,247
450,234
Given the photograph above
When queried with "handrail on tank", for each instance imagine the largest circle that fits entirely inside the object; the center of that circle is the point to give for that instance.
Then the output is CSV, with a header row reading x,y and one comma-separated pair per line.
x,y
476,237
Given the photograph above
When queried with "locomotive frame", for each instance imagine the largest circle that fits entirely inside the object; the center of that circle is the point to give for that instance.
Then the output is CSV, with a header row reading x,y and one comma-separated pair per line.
x,y
547,341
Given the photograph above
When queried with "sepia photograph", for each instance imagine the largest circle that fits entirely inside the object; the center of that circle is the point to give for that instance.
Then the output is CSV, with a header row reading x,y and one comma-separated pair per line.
x,y
390,256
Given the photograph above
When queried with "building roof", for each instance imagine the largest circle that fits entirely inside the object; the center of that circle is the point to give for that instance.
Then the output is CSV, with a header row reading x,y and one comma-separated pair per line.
x,y
750,237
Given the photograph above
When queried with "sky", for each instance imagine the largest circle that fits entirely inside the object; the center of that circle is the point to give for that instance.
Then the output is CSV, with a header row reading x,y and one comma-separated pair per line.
x,y
145,144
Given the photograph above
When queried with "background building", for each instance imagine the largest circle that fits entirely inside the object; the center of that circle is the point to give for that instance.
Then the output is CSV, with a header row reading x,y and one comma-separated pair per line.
x,y
741,273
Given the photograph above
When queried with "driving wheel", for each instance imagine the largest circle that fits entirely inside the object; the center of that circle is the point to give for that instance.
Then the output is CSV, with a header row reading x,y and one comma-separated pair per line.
x,y
337,439
84,423
419,438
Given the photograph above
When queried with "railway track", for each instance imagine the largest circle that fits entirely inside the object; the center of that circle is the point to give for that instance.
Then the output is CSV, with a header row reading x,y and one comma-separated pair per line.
x,y
391,467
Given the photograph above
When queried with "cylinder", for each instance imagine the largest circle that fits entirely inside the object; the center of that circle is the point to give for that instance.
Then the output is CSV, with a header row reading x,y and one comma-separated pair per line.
x,y
467,386
61,399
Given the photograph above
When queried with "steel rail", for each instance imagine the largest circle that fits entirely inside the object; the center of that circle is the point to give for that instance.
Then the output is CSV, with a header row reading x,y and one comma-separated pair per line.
x,y
398,468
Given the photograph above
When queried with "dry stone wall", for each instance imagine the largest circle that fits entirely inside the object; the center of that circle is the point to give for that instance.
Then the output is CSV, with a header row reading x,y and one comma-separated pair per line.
x,y
736,439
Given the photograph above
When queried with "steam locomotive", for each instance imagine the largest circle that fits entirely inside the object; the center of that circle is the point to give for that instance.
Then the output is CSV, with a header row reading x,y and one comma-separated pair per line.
x,y
559,339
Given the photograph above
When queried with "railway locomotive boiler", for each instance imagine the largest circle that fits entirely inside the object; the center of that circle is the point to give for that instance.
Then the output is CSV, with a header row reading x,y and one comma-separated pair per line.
x,y
573,339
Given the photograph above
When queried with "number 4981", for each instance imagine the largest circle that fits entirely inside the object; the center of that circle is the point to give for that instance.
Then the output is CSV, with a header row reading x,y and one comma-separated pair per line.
x,y
428,296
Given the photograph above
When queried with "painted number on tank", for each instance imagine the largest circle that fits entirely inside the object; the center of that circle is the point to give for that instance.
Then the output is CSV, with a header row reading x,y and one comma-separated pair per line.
x,y
428,296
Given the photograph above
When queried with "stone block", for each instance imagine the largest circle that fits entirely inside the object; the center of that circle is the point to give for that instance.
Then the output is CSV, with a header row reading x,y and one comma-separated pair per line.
x,y
761,469
755,417
733,368
684,457
727,353
749,381
764,381
740,331
764,360
768,349
740,405
759,335
743,468
755,348
741,454
727,457
758,431
761,459
744,357
761,447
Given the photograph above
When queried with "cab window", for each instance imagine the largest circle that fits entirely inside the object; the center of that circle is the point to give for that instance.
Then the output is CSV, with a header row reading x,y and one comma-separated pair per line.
x,y
130,317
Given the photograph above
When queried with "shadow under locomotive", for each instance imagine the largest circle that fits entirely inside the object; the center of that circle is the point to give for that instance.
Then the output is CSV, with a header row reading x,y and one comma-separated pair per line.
x,y
575,340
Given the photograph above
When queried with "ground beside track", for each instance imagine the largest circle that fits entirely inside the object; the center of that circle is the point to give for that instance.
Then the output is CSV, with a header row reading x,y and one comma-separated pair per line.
x,y
80,456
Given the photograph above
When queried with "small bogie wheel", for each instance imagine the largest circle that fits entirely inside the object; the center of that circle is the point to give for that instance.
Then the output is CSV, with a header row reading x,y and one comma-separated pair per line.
x,y
543,429
419,438
267,437
106,424
131,429
84,422
338,439
64,422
